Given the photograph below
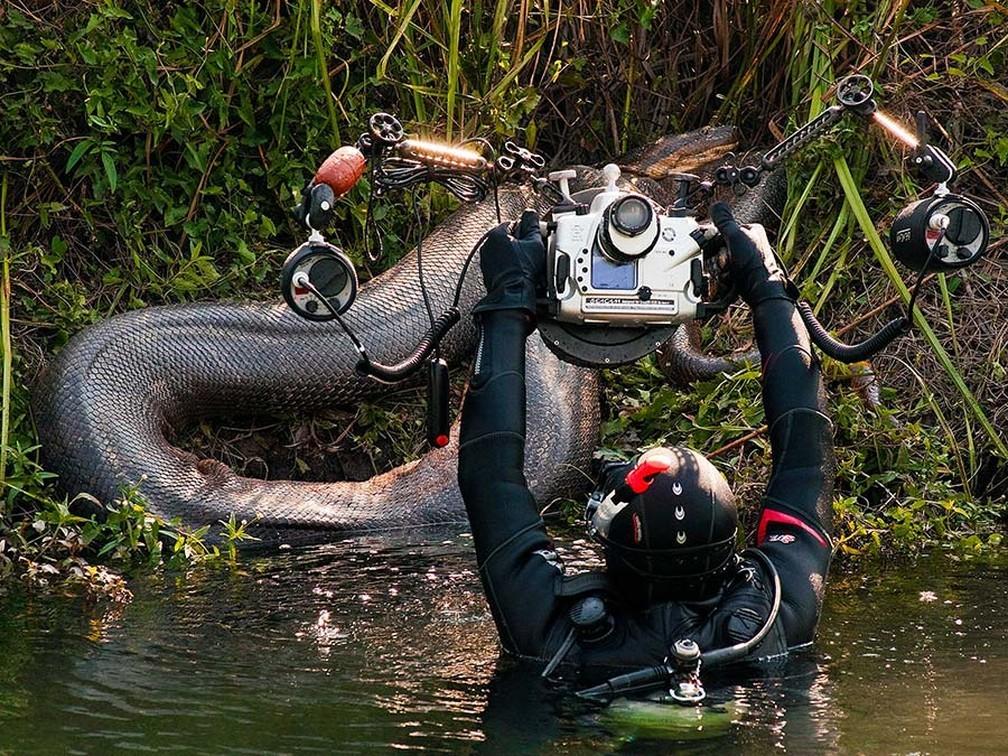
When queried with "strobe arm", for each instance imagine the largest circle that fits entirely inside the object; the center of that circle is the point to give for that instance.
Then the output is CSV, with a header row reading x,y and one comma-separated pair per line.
x,y
855,94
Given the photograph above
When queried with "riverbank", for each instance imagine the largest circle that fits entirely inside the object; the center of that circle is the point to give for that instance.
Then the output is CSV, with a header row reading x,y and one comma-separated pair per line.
x,y
150,154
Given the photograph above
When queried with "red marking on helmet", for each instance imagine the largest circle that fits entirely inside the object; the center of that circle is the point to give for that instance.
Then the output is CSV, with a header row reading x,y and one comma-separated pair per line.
x,y
441,440
638,531
782,518
643,474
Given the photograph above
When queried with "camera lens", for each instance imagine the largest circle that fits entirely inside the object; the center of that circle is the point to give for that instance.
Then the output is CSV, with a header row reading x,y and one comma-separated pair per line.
x,y
631,215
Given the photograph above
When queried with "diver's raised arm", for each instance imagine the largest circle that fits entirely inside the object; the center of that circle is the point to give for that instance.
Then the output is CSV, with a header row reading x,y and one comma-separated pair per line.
x,y
513,552
795,525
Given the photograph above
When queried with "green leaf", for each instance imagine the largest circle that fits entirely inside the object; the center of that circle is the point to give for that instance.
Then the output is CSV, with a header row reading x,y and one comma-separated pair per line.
x,y
110,170
620,33
78,152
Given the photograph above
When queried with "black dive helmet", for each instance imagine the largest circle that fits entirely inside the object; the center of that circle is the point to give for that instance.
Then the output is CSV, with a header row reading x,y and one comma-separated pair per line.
x,y
667,524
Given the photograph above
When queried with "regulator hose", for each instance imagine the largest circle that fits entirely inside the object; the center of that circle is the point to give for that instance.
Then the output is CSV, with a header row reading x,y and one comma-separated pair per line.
x,y
648,678
849,353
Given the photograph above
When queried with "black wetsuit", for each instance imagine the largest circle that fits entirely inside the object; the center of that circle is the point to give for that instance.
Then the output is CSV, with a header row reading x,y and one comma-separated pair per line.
x,y
523,581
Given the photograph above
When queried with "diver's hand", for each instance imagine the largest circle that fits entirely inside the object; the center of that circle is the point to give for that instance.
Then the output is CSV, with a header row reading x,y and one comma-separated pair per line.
x,y
753,266
505,258
514,267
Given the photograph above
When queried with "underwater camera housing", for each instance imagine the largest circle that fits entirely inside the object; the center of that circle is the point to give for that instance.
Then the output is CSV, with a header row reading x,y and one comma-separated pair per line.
x,y
622,272
621,261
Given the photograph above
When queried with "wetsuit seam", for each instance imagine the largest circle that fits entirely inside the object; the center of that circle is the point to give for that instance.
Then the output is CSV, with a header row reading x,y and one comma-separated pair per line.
x,y
778,354
521,532
492,434
493,377
797,410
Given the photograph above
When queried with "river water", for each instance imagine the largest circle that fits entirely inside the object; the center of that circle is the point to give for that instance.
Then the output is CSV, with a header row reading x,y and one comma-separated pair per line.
x,y
382,644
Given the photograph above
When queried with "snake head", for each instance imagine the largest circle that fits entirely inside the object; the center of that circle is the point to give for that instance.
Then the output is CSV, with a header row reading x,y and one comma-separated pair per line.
x,y
696,152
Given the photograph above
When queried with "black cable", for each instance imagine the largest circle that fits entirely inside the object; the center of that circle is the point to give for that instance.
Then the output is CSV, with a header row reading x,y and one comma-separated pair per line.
x,y
849,353
369,224
465,267
399,173
306,283
409,364
415,359
493,174
922,272
419,262
871,346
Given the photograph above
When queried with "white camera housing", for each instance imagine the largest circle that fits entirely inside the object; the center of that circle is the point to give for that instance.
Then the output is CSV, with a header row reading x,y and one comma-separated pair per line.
x,y
600,274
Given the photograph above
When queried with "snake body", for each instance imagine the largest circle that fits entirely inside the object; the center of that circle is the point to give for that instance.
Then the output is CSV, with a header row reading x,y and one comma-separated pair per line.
x,y
106,404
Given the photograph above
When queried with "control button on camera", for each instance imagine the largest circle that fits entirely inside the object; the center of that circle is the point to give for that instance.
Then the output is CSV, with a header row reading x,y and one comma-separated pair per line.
x,y
644,293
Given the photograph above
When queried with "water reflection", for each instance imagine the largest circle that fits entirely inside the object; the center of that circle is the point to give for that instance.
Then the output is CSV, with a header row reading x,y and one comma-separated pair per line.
x,y
380,642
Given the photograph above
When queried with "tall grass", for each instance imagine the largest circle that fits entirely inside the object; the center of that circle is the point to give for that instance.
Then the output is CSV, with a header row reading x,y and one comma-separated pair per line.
x,y
323,64
5,333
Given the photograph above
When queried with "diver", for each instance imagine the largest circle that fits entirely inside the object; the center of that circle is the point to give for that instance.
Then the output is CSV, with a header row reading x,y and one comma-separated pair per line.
x,y
674,582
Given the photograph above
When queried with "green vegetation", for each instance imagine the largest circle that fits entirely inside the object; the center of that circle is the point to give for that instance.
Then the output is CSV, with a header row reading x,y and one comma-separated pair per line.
x,y
149,153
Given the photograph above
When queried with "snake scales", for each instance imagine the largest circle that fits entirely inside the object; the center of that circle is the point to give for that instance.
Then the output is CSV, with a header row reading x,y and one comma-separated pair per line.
x,y
106,403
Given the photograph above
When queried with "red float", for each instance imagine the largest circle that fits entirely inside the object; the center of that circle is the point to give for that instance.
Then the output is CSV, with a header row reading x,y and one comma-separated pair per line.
x,y
341,170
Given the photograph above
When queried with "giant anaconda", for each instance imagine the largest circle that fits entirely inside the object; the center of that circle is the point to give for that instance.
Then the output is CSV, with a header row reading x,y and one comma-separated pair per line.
x,y
105,405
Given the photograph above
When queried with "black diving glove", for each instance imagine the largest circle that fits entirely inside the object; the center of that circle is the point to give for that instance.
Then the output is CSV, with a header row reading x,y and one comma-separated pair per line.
x,y
753,267
514,268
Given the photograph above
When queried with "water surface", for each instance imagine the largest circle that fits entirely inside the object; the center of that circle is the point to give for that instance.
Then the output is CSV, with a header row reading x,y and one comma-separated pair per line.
x,y
384,643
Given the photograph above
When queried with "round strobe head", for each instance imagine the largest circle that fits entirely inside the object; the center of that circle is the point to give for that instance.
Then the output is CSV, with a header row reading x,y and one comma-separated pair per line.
x,y
944,232
328,270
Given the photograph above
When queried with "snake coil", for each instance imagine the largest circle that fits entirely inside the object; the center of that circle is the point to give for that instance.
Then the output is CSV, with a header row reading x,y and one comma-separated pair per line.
x,y
107,405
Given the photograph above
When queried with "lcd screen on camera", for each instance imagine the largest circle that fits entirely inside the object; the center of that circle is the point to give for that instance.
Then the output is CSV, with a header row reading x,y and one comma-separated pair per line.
x,y
606,274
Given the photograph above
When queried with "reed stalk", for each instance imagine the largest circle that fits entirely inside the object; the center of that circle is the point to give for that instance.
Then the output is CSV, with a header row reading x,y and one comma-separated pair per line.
x,y
454,32
323,63
5,333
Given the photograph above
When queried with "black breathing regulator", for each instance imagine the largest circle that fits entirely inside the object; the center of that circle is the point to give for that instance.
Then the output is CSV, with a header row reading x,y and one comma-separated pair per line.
x,y
623,271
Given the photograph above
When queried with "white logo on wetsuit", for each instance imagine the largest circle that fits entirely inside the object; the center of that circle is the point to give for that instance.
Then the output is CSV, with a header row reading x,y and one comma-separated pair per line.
x,y
680,513
677,488
680,537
